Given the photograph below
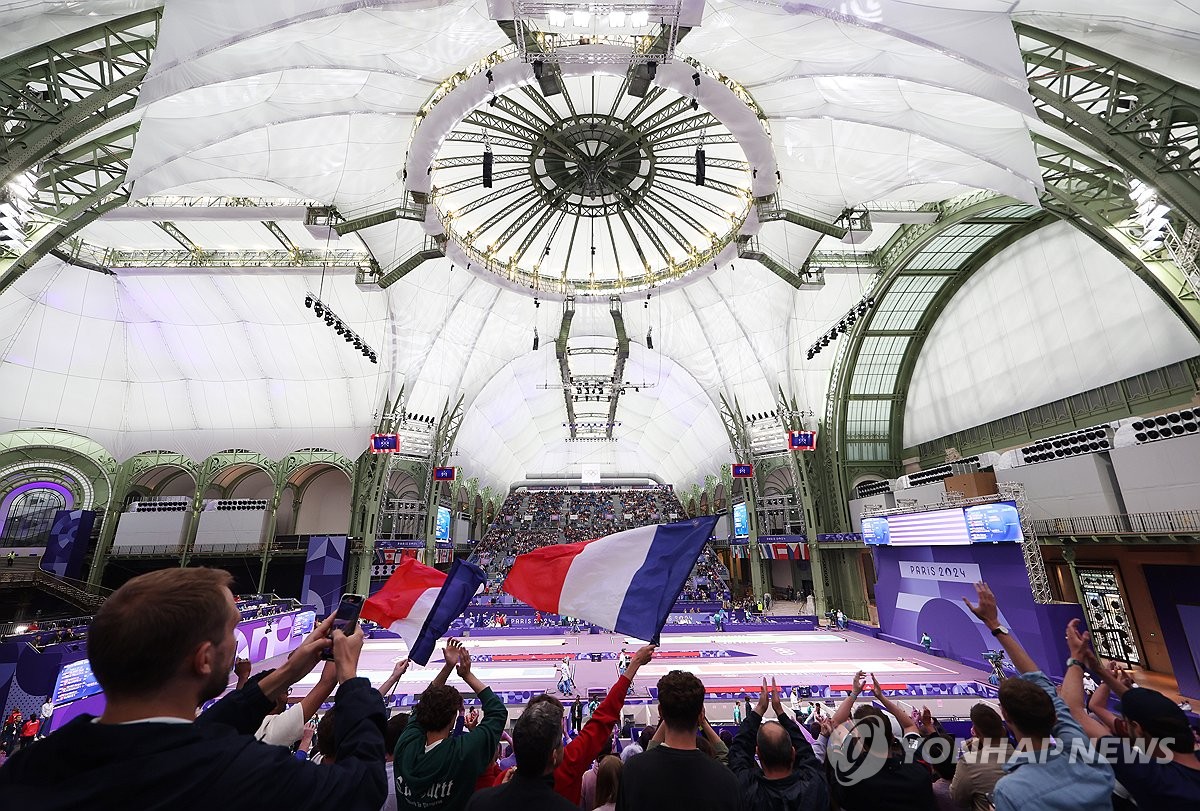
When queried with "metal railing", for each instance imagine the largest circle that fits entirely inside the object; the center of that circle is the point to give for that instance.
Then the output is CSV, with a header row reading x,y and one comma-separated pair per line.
x,y
160,550
1156,523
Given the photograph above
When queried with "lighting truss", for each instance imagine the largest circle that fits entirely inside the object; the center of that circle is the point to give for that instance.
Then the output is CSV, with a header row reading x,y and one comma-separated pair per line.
x,y
844,325
547,30
333,321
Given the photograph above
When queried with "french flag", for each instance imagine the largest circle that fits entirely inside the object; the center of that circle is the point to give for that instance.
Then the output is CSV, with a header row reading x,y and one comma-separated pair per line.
x,y
419,603
626,582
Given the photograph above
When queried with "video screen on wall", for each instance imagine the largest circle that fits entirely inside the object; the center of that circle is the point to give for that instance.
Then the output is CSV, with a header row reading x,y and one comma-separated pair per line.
x,y
997,522
75,681
741,521
442,531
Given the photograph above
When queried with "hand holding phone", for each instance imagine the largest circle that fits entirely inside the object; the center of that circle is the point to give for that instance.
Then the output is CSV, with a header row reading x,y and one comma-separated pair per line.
x,y
345,620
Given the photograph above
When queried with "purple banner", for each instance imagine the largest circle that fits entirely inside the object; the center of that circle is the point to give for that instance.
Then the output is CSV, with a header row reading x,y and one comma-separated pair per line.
x,y
1173,591
920,590
324,572
68,541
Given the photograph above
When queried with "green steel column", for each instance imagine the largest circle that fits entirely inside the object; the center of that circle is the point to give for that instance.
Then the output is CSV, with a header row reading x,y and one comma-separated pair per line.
x,y
370,477
269,533
108,531
758,574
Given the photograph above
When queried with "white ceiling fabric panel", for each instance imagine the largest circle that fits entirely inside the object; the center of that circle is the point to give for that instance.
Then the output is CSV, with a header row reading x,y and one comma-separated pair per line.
x,y
1049,317
196,363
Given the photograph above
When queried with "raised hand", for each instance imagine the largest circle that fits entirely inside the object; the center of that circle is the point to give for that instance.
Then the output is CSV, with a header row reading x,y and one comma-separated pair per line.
x,y
776,704
763,698
401,668
644,654
1079,643
858,682
453,651
987,611
926,722
876,690
464,663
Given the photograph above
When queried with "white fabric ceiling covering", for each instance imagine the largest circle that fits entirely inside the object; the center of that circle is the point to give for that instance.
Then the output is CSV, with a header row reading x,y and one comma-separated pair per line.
x,y
1049,317
191,363
899,100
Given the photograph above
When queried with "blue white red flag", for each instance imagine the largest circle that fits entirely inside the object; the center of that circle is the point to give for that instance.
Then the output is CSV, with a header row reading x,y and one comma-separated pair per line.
x,y
419,603
626,582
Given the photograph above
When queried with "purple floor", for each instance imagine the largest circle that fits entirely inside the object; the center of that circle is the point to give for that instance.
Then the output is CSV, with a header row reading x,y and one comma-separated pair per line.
x,y
728,663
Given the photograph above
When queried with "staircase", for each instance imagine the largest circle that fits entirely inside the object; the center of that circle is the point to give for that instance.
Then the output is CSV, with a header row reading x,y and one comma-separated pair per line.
x,y
24,573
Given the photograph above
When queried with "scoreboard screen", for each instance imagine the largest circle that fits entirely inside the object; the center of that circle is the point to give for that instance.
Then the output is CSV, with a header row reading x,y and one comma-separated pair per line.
x,y
743,471
443,474
802,440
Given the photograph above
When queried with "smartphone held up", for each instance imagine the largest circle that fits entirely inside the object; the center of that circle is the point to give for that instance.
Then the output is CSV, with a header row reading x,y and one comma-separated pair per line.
x,y
345,619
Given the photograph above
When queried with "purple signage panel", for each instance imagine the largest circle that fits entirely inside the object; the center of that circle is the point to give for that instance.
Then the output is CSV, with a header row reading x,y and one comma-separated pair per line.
x,y
920,590
67,543
261,639
324,573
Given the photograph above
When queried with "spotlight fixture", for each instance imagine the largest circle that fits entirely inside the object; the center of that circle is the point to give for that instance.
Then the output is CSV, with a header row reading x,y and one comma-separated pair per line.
x,y
491,77
322,312
842,326
696,78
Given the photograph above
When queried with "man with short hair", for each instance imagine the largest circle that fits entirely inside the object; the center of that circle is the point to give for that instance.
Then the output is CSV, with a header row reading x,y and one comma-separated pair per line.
x,y
677,774
982,761
790,778
538,745
435,771
1055,767
161,646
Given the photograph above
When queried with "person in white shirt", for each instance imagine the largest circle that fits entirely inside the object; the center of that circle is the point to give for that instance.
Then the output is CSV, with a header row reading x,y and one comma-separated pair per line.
x,y
286,724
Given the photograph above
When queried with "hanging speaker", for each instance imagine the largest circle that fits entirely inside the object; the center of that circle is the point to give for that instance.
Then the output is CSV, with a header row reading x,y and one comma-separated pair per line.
x,y
487,169
699,166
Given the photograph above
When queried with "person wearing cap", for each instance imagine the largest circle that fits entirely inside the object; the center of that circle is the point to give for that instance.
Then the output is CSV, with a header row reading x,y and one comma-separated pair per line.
x,y
1164,772
1055,767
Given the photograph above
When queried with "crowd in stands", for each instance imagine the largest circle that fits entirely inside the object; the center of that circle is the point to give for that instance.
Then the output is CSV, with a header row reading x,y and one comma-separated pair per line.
x,y
163,645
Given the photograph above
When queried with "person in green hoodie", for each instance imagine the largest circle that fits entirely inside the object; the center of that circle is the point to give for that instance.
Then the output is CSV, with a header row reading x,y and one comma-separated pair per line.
x,y
437,772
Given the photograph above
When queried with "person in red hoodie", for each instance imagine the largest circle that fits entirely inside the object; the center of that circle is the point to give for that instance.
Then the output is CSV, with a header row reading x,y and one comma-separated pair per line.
x,y
30,729
579,753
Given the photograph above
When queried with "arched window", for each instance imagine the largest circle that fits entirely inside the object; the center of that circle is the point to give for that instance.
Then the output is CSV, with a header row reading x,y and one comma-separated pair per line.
x,y
30,517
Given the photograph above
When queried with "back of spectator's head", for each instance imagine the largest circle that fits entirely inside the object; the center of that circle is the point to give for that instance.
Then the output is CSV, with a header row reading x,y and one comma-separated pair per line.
x,y
605,750
645,735
775,750
537,739
680,700
608,780
547,698
438,707
393,731
726,738
162,625
1159,717
326,738
988,724
1027,708
873,715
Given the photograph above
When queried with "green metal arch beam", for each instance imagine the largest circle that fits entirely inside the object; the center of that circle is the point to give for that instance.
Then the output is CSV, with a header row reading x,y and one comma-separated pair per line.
x,y
100,68
1142,120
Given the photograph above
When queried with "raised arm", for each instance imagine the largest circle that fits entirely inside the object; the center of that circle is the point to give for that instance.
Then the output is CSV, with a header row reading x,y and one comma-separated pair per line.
x,y
1098,706
321,691
842,714
989,615
907,724
398,671
1071,692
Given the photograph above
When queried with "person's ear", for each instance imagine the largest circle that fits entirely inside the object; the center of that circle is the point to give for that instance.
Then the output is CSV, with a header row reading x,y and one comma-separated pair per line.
x,y
204,659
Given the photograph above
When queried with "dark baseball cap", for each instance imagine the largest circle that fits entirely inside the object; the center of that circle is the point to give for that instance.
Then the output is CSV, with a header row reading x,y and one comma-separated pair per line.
x,y
1158,715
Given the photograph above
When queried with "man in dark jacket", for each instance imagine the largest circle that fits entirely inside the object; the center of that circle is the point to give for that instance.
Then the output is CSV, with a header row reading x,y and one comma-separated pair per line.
x,y
791,777
537,743
161,646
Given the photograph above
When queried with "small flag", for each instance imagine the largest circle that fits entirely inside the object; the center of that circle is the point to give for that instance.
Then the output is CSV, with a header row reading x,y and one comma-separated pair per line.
x,y
419,603
626,582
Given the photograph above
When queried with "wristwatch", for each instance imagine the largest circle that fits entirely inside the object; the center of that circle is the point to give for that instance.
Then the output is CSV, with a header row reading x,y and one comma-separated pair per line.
x,y
998,630
1073,661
